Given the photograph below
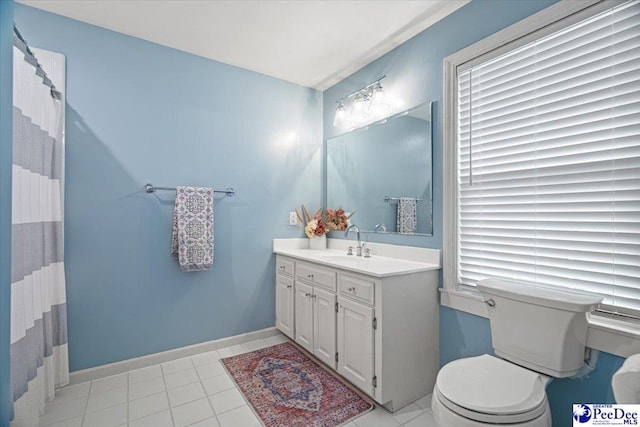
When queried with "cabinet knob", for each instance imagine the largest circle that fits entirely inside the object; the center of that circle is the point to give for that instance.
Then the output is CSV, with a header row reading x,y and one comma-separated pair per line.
x,y
353,289
281,267
289,286
307,294
310,276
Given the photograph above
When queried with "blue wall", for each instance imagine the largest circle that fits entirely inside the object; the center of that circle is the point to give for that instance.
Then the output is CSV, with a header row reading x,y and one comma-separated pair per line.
x,y
414,74
138,112
6,84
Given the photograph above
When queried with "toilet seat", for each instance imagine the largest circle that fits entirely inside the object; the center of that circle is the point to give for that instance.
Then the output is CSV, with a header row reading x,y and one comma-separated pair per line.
x,y
491,390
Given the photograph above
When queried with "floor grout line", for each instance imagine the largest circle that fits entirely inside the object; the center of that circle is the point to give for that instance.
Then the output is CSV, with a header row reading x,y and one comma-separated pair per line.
x,y
127,407
166,392
215,415
86,405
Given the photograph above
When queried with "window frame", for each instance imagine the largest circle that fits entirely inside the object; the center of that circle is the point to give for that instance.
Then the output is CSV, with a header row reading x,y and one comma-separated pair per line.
x,y
616,335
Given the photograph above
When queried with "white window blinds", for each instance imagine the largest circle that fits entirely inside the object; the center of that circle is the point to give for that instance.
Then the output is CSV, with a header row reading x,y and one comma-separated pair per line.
x,y
549,161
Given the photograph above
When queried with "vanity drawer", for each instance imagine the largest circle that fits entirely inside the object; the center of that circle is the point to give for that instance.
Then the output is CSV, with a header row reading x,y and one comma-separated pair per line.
x,y
317,275
357,288
285,266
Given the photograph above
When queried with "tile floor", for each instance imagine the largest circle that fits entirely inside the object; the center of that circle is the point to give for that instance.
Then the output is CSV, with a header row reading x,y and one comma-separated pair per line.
x,y
194,391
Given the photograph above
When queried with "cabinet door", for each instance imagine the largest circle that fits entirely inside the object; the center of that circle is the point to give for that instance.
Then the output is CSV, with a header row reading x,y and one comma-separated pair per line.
x,y
284,305
324,326
355,343
304,315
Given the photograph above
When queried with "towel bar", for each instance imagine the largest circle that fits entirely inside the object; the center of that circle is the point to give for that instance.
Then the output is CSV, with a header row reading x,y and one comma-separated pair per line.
x,y
150,188
389,199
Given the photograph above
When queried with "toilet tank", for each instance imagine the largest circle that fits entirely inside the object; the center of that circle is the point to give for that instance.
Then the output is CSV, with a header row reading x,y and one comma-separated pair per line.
x,y
542,329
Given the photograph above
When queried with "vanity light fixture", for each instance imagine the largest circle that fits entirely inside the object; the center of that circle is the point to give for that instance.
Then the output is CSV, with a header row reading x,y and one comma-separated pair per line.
x,y
369,102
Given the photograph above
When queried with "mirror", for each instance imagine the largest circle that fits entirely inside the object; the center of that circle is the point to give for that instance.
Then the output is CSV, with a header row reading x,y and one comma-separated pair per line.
x,y
370,169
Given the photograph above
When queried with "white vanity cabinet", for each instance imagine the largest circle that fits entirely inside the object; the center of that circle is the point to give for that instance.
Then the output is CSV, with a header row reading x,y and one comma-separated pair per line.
x,y
324,326
355,344
315,321
304,316
285,296
315,311
380,332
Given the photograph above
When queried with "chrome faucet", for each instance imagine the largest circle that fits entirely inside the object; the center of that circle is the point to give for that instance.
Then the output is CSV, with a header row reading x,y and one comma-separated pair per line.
x,y
381,226
357,230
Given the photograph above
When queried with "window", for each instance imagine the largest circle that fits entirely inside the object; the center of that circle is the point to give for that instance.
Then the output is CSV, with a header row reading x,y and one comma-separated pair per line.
x,y
545,166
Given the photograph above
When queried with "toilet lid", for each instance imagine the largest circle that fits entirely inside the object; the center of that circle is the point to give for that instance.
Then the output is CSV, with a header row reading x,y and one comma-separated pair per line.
x,y
488,386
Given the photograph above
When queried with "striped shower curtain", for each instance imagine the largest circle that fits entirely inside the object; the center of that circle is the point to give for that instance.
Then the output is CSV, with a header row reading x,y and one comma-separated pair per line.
x,y
39,355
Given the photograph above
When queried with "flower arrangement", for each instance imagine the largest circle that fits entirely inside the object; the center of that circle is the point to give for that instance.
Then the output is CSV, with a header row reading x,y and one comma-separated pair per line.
x,y
324,221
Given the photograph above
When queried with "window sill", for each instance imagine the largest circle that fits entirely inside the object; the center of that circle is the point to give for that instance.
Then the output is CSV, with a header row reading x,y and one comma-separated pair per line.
x,y
615,336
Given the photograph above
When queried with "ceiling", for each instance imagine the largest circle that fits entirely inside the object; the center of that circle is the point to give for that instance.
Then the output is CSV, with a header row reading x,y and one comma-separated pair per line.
x,y
309,42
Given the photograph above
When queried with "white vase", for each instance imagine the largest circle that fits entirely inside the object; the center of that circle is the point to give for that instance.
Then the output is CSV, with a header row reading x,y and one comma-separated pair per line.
x,y
318,242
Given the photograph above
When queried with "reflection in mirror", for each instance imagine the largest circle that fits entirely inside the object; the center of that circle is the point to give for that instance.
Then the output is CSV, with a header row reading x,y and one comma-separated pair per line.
x,y
384,172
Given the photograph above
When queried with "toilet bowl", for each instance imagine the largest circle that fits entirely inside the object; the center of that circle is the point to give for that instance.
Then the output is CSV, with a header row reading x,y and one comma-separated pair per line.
x,y
537,334
626,381
482,390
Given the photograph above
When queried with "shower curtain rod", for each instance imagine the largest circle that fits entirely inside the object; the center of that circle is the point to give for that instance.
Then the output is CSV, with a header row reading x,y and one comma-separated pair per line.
x,y
20,42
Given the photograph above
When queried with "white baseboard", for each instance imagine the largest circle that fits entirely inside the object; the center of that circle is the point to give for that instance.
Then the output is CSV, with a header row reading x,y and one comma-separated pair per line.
x,y
102,371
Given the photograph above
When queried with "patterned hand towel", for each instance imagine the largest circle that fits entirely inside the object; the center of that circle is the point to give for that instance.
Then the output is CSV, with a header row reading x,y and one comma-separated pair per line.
x,y
407,217
192,234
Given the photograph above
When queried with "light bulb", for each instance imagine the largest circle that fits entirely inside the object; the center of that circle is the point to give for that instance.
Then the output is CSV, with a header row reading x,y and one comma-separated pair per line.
x,y
340,119
378,104
359,109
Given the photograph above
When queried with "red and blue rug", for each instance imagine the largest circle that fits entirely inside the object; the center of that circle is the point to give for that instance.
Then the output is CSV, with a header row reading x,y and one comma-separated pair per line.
x,y
288,389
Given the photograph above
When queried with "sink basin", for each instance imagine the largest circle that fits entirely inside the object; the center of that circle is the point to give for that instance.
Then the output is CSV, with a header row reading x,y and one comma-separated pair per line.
x,y
373,264
337,257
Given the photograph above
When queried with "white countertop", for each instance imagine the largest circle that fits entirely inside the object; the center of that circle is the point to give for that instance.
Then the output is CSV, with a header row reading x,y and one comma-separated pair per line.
x,y
377,265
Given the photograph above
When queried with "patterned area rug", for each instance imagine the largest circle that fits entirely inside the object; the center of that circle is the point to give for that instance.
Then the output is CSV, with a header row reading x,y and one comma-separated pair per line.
x,y
288,389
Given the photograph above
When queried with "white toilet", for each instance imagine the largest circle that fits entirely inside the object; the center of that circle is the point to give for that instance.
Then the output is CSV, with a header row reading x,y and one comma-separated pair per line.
x,y
537,333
